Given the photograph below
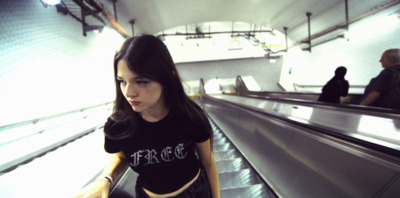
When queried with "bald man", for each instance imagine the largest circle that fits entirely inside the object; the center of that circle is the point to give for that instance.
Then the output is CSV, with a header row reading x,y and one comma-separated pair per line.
x,y
378,91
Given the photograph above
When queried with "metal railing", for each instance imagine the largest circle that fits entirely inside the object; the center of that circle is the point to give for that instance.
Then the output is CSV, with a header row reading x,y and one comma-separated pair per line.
x,y
21,142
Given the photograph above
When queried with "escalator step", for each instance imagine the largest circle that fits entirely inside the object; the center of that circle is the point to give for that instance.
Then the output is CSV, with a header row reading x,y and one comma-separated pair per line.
x,y
236,179
231,165
219,141
224,155
253,191
215,129
223,147
218,136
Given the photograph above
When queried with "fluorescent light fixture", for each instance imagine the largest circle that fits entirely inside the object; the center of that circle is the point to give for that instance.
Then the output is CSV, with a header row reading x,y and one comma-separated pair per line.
x,y
52,2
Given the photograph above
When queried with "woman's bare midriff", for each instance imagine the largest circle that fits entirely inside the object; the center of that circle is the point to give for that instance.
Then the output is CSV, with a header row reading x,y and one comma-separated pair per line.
x,y
154,195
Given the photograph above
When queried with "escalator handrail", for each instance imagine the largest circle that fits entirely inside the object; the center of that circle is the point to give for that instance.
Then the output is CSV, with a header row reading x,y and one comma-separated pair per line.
x,y
368,110
24,122
298,85
332,133
242,88
243,91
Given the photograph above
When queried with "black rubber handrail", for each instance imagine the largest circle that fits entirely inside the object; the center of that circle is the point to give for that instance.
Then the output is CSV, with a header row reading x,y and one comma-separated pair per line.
x,y
366,109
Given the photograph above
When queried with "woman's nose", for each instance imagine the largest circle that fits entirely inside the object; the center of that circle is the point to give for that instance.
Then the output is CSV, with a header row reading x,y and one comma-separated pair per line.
x,y
130,91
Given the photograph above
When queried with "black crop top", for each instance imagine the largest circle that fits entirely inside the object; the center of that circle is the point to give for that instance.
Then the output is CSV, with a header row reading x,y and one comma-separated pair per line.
x,y
162,153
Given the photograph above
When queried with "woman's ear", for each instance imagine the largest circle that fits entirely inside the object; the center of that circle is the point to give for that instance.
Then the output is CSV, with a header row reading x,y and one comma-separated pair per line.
x,y
173,73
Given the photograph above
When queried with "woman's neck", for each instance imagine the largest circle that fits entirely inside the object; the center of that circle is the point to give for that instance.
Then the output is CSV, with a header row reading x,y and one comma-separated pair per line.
x,y
154,116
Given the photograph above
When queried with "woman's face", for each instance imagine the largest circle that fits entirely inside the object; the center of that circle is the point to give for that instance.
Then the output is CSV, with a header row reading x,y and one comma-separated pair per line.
x,y
144,95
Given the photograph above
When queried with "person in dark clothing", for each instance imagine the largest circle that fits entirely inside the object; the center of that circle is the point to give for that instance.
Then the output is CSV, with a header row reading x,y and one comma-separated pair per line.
x,y
336,87
379,92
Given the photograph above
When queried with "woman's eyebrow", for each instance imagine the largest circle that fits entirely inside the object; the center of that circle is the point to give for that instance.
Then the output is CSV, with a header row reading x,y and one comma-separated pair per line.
x,y
135,78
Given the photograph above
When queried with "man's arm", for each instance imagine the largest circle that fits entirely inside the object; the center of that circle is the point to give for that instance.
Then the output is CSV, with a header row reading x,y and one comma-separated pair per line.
x,y
371,97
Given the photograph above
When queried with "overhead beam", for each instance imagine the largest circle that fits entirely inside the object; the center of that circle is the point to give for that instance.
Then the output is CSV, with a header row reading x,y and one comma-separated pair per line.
x,y
113,22
220,32
349,21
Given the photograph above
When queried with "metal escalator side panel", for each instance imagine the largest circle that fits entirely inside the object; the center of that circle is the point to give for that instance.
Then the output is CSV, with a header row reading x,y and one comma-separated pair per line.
x,y
300,162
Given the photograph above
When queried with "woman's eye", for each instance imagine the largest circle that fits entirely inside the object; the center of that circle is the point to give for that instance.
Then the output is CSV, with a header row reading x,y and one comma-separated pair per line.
x,y
121,82
142,82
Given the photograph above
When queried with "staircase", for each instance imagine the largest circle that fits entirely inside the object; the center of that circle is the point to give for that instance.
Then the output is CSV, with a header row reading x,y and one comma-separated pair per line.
x,y
237,179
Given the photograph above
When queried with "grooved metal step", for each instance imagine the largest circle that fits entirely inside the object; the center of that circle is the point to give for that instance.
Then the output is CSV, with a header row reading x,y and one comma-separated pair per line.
x,y
257,190
219,141
222,147
231,165
224,155
236,178
217,135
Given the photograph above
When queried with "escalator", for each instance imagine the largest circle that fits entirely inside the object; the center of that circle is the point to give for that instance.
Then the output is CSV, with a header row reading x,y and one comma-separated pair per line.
x,y
297,158
307,149
236,176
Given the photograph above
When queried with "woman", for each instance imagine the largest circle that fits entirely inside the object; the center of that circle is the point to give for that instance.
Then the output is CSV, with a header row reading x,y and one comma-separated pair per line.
x,y
336,87
159,131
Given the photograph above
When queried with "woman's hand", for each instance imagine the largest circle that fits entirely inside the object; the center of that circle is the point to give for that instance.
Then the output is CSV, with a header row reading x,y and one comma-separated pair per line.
x,y
97,189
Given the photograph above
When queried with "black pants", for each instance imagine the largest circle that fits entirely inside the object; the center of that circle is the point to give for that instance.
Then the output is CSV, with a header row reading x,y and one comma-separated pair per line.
x,y
198,189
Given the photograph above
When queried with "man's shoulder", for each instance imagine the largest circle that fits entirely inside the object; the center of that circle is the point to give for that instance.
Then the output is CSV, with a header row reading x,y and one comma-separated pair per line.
x,y
388,72
391,95
394,68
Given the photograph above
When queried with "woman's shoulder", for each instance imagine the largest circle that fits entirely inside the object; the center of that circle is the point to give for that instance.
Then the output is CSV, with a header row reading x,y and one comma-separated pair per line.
x,y
112,125
109,123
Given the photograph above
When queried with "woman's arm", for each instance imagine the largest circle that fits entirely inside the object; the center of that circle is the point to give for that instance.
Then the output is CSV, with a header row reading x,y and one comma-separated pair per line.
x,y
101,186
208,161
116,165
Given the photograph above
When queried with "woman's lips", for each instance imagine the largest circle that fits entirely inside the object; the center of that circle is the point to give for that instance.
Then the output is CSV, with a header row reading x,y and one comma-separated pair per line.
x,y
133,103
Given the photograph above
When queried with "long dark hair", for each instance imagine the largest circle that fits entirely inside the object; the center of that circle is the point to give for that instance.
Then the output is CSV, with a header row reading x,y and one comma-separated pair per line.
x,y
149,57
